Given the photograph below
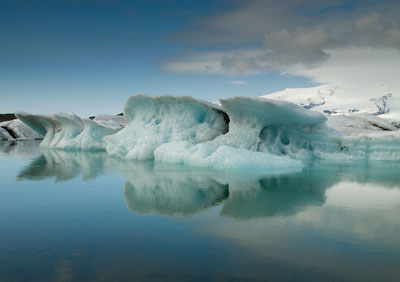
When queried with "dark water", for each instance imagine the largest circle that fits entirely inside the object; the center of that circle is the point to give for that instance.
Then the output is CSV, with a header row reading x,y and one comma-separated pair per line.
x,y
88,217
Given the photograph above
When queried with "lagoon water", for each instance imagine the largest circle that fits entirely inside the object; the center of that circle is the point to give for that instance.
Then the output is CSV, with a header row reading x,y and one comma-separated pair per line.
x,y
89,217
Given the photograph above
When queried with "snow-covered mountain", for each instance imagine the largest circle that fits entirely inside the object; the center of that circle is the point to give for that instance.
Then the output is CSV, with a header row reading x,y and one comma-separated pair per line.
x,y
375,99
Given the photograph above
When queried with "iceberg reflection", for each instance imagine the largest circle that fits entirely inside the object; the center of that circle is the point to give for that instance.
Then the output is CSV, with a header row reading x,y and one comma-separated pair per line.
x,y
64,166
277,194
179,190
331,219
171,195
18,148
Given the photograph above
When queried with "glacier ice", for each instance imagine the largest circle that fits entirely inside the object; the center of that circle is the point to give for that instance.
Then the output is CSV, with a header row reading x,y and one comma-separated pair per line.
x,y
364,115
92,136
111,120
17,130
153,121
69,132
209,155
359,123
241,133
4,134
239,147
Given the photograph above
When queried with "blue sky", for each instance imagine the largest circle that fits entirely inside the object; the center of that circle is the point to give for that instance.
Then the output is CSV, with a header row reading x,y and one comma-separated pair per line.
x,y
89,56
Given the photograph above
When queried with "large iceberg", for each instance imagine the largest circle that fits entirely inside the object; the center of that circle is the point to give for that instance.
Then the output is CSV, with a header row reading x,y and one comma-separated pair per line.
x,y
153,121
239,148
240,133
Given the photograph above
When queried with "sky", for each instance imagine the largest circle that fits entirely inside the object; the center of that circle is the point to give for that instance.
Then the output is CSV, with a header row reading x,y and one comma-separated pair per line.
x,y
89,56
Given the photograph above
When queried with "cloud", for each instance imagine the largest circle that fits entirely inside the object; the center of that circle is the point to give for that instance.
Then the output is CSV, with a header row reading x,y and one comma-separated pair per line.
x,y
301,45
295,37
354,64
238,82
375,31
235,62
251,20
243,21
240,64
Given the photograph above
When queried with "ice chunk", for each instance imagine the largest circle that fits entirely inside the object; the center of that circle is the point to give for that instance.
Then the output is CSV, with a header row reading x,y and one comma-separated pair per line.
x,y
354,124
363,115
15,129
70,126
238,148
153,121
91,137
209,155
116,121
249,116
69,132
4,135
47,126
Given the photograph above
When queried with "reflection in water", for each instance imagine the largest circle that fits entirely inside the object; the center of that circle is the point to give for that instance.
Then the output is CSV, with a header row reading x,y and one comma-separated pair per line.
x,y
330,221
178,190
168,195
20,148
161,189
277,195
64,166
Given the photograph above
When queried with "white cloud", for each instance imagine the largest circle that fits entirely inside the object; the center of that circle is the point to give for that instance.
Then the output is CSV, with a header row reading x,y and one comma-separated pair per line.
x,y
238,82
354,64
327,41
342,65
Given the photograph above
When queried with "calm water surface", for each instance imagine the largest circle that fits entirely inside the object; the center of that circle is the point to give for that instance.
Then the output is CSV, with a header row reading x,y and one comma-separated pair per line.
x,y
89,217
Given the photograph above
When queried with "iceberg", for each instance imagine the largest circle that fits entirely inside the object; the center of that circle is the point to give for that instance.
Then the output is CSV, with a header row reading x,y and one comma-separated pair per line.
x,y
153,121
70,132
240,133
92,136
4,134
17,130
46,126
239,148
356,124
365,116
